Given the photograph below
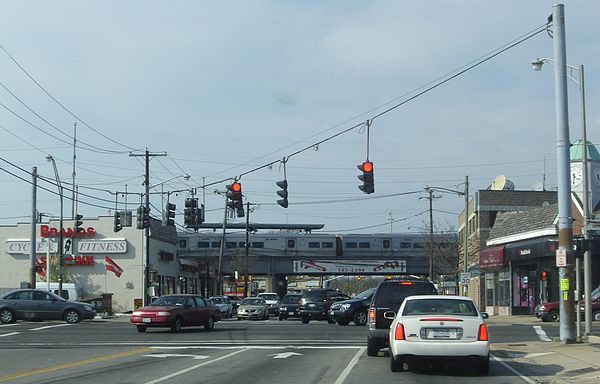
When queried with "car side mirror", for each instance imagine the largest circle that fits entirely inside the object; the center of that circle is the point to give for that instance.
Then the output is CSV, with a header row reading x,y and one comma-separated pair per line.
x,y
485,315
390,315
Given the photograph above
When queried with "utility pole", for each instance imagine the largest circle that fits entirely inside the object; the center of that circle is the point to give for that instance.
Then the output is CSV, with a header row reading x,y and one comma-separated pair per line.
x,y
466,234
430,198
147,156
247,250
222,250
565,224
33,229
73,213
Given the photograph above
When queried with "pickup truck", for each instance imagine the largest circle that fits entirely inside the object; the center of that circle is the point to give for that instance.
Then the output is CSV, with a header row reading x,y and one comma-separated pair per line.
x,y
551,311
175,312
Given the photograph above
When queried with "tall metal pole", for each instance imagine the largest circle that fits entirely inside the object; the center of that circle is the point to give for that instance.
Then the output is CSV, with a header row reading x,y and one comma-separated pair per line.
x,y
430,234
247,250
221,251
73,173
466,233
565,225
33,229
147,229
587,261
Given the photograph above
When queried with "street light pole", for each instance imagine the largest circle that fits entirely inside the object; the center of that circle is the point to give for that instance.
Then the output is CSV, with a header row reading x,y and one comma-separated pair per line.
x,y
60,226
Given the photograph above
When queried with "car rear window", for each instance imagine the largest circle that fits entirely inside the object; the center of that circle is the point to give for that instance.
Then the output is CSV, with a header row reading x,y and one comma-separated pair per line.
x,y
440,307
394,293
291,299
314,295
269,296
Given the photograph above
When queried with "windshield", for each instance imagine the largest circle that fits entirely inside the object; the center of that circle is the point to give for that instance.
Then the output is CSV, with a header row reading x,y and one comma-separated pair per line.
x,y
291,299
169,301
253,302
440,307
596,293
364,295
218,300
269,296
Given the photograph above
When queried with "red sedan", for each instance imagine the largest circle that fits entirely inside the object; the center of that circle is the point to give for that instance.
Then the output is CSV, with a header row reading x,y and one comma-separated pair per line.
x,y
175,312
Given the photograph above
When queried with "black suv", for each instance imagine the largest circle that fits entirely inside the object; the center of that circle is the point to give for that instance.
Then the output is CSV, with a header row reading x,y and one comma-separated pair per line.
x,y
289,306
315,304
355,309
388,297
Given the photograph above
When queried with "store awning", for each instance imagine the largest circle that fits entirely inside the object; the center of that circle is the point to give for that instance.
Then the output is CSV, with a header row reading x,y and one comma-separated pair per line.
x,y
492,258
188,262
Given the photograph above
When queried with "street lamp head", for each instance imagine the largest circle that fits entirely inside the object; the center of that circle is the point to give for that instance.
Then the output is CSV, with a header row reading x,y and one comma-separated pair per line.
x,y
537,64
186,177
49,158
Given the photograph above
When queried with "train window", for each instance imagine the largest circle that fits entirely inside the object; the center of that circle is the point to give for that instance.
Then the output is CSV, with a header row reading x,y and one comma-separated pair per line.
x,y
203,244
230,244
241,244
404,244
291,243
215,244
364,245
327,244
418,245
182,243
351,245
314,244
387,243
258,244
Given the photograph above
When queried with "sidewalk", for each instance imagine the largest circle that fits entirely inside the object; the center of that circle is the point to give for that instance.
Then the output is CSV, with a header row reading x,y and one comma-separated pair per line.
x,y
551,361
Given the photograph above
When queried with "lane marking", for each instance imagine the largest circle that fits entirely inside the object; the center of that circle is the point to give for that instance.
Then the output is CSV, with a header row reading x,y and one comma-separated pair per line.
x,y
194,367
541,334
10,334
8,325
73,364
163,355
284,355
522,376
50,326
350,366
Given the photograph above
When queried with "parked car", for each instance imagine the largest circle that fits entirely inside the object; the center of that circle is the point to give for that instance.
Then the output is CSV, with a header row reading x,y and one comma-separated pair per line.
x,y
315,304
175,312
224,305
438,327
235,302
388,297
272,300
253,307
551,311
355,309
290,306
38,304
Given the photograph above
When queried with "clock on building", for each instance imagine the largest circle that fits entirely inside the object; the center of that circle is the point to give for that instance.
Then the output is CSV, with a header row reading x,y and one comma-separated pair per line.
x,y
576,175
596,175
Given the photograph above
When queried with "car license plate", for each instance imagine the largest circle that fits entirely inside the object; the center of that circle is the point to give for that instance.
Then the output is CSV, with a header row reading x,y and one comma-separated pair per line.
x,y
442,333
147,320
291,313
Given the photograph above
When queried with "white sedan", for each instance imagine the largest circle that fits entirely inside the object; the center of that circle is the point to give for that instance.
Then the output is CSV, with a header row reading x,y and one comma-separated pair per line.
x,y
438,327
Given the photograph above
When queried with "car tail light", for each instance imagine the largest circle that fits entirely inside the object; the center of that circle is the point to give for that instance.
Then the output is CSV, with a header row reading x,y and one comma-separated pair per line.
x,y
372,315
483,333
399,333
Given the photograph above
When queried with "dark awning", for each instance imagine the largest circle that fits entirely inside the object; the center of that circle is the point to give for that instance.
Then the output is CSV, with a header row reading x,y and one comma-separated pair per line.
x,y
492,258
531,249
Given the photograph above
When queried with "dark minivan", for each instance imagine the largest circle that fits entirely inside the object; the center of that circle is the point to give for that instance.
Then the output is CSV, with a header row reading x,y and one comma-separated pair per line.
x,y
388,297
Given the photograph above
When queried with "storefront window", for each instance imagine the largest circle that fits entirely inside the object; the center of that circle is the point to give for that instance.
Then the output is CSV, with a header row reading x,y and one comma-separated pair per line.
x,y
489,289
504,289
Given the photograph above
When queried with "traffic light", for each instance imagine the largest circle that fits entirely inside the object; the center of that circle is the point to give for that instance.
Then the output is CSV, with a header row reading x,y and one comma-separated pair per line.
x,y
118,225
143,217
78,224
544,275
234,193
283,193
189,212
169,215
367,177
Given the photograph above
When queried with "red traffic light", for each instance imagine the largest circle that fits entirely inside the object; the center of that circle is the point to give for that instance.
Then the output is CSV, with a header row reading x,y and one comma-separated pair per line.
x,y
367,166
236,187
544,275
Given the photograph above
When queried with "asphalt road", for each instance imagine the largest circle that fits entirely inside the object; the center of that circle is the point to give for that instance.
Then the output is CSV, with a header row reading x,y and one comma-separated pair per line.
x,y
112,351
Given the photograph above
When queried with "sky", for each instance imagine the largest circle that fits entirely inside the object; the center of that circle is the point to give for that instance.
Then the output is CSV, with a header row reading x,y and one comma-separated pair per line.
x,y
231,89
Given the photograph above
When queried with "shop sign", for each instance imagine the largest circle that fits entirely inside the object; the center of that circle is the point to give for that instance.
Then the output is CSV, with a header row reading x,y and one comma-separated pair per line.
x,y
47,231
102,246
23,247
350,266
492,258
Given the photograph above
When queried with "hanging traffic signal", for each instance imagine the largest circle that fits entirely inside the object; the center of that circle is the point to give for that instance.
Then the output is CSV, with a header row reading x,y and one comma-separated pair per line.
x,y
283,193
367,177
189,212
143,217
544,275
234,194
78,224
117,225
169,215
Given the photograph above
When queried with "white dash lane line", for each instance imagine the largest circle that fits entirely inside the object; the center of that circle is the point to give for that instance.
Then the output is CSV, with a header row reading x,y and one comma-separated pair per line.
x,y
10,334
522,376
50,326
350,366
541,334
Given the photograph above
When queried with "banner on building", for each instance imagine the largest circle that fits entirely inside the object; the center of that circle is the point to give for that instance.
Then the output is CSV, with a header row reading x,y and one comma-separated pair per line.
x,y
350,266
112,266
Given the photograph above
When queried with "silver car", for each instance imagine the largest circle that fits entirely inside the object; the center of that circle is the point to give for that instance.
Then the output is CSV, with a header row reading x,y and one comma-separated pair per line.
x,y
253,308
37,304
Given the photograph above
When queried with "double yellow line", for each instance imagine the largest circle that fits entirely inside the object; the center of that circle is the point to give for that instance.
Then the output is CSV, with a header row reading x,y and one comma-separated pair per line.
x,y
73,364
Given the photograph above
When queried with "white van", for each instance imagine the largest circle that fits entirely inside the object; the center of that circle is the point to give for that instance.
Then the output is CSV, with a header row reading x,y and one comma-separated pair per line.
x,y
69,292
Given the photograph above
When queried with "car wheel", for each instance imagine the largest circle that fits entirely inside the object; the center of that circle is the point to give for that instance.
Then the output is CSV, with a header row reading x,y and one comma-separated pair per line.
x,y
596,316
343,322
239,318
396,363
210,324
305,320
7,316
483,365
360,318
330,320
372,347
176,326
553,316
280,317
141,328
72,316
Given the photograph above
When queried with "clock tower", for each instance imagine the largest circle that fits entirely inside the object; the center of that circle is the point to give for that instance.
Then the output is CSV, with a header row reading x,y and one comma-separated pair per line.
x,y
576,174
